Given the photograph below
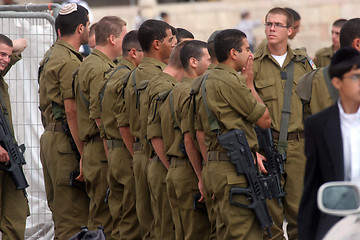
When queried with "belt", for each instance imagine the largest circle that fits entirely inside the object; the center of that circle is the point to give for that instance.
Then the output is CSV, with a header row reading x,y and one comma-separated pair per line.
x,y
54,127
175,161
290,136
218,156
137,146
114,143
96,138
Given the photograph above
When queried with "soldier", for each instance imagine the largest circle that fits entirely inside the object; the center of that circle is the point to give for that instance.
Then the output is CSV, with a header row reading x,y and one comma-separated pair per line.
x,y
121,199
182,180
231,109
14,204
109,34
315,88
157,40
324,55
277,69
69,205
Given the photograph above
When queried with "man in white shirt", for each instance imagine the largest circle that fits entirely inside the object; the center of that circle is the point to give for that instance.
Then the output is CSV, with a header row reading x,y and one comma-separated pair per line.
x,y
332,143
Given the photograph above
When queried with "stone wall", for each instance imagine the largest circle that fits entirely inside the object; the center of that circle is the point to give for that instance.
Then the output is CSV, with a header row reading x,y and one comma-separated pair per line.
x,y
202,18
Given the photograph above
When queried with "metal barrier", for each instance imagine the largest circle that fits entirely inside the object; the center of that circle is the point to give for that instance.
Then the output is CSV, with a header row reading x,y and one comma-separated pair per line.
x,y
36,24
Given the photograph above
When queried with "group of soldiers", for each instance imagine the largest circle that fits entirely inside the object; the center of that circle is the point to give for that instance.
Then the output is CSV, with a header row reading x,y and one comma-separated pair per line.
x,y
139,119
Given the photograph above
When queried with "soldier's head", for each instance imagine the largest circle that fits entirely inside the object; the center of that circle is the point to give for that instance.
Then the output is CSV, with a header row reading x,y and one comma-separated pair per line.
x,y
335,33
92,40
6,48
157,39
345,74
183,34
131,48
211,48
296,24
350,34
232,48
278,25
74,19
195,58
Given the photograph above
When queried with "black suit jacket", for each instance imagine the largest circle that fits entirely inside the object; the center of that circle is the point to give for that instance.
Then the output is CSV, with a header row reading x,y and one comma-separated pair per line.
x,y
325,163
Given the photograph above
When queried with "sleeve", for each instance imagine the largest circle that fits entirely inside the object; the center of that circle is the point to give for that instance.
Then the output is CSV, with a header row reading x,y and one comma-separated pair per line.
x,y
308,223
66,79
95,82
182,113
154,121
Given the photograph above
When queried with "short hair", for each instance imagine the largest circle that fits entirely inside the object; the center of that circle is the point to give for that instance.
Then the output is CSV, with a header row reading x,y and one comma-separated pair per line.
x,y
183,33
210,46
227,40
109,25
343,61
92,29
339,23
191,49
5,40
130,41
282,11
152,30
69,22
349,32
294,13
175,56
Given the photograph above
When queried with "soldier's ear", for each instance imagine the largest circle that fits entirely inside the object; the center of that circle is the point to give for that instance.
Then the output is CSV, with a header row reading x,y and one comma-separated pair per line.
x,y
356,44
156,44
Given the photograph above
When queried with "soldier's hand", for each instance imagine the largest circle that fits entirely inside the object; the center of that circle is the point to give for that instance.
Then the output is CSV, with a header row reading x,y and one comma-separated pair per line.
x,y
201,189
260,158
4,156
81,176
248,71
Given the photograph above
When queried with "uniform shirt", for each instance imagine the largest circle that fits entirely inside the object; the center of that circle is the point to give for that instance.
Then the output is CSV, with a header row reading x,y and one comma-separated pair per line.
x,y
4,88
232,103
112,95
323,56
129,115
91,73
350,129
174,119
55,82
270,86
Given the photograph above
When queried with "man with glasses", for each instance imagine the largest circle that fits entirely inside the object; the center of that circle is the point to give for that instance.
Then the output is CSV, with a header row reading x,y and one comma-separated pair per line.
x,y
277,69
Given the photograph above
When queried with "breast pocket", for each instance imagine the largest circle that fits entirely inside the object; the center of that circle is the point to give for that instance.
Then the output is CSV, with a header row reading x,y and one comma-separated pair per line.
x,y
266,89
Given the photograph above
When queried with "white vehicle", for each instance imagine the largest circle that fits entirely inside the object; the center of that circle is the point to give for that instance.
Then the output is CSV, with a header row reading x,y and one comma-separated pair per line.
x,y
341,199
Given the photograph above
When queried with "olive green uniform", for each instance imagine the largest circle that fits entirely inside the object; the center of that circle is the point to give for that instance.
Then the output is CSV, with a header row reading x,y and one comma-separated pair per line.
x,y
120,176
181,181
69,205
314,92
91,73
129,115
14,205
270,87
323,56
157,172
234,107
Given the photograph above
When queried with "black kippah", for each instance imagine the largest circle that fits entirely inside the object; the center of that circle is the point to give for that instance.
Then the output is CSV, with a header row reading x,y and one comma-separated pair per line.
x,y
344,53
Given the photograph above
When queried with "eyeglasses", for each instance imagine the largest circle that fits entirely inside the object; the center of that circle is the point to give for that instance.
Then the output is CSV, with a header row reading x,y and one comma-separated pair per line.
x,y
355,77
139,50
276,25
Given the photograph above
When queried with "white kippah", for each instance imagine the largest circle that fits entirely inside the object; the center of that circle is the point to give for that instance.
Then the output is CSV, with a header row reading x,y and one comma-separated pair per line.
x,y
68,8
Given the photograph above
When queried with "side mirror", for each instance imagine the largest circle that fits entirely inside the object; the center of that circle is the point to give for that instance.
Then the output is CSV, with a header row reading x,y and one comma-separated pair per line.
x,y
339,198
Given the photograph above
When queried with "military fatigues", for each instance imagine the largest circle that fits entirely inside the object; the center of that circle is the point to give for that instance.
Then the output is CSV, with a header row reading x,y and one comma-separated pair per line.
x,y
182,182
323,56
120,171
90,75
196,124
270,87
313,91
231,102
14,205
69,205
129,116
157,171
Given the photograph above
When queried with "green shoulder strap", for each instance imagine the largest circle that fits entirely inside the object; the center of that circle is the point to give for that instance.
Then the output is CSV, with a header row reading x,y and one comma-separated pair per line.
x,y
213,122
286,109
102,92
332,90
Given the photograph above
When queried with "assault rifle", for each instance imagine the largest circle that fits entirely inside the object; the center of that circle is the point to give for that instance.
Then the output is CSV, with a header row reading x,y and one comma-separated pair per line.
x,y
16,156
240,155
274,163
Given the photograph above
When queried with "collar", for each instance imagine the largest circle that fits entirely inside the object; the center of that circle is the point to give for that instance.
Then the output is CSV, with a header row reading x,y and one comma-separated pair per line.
x,y
103,57
349,117
153,61
186,79
167,77
127,63
228,69
70,47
